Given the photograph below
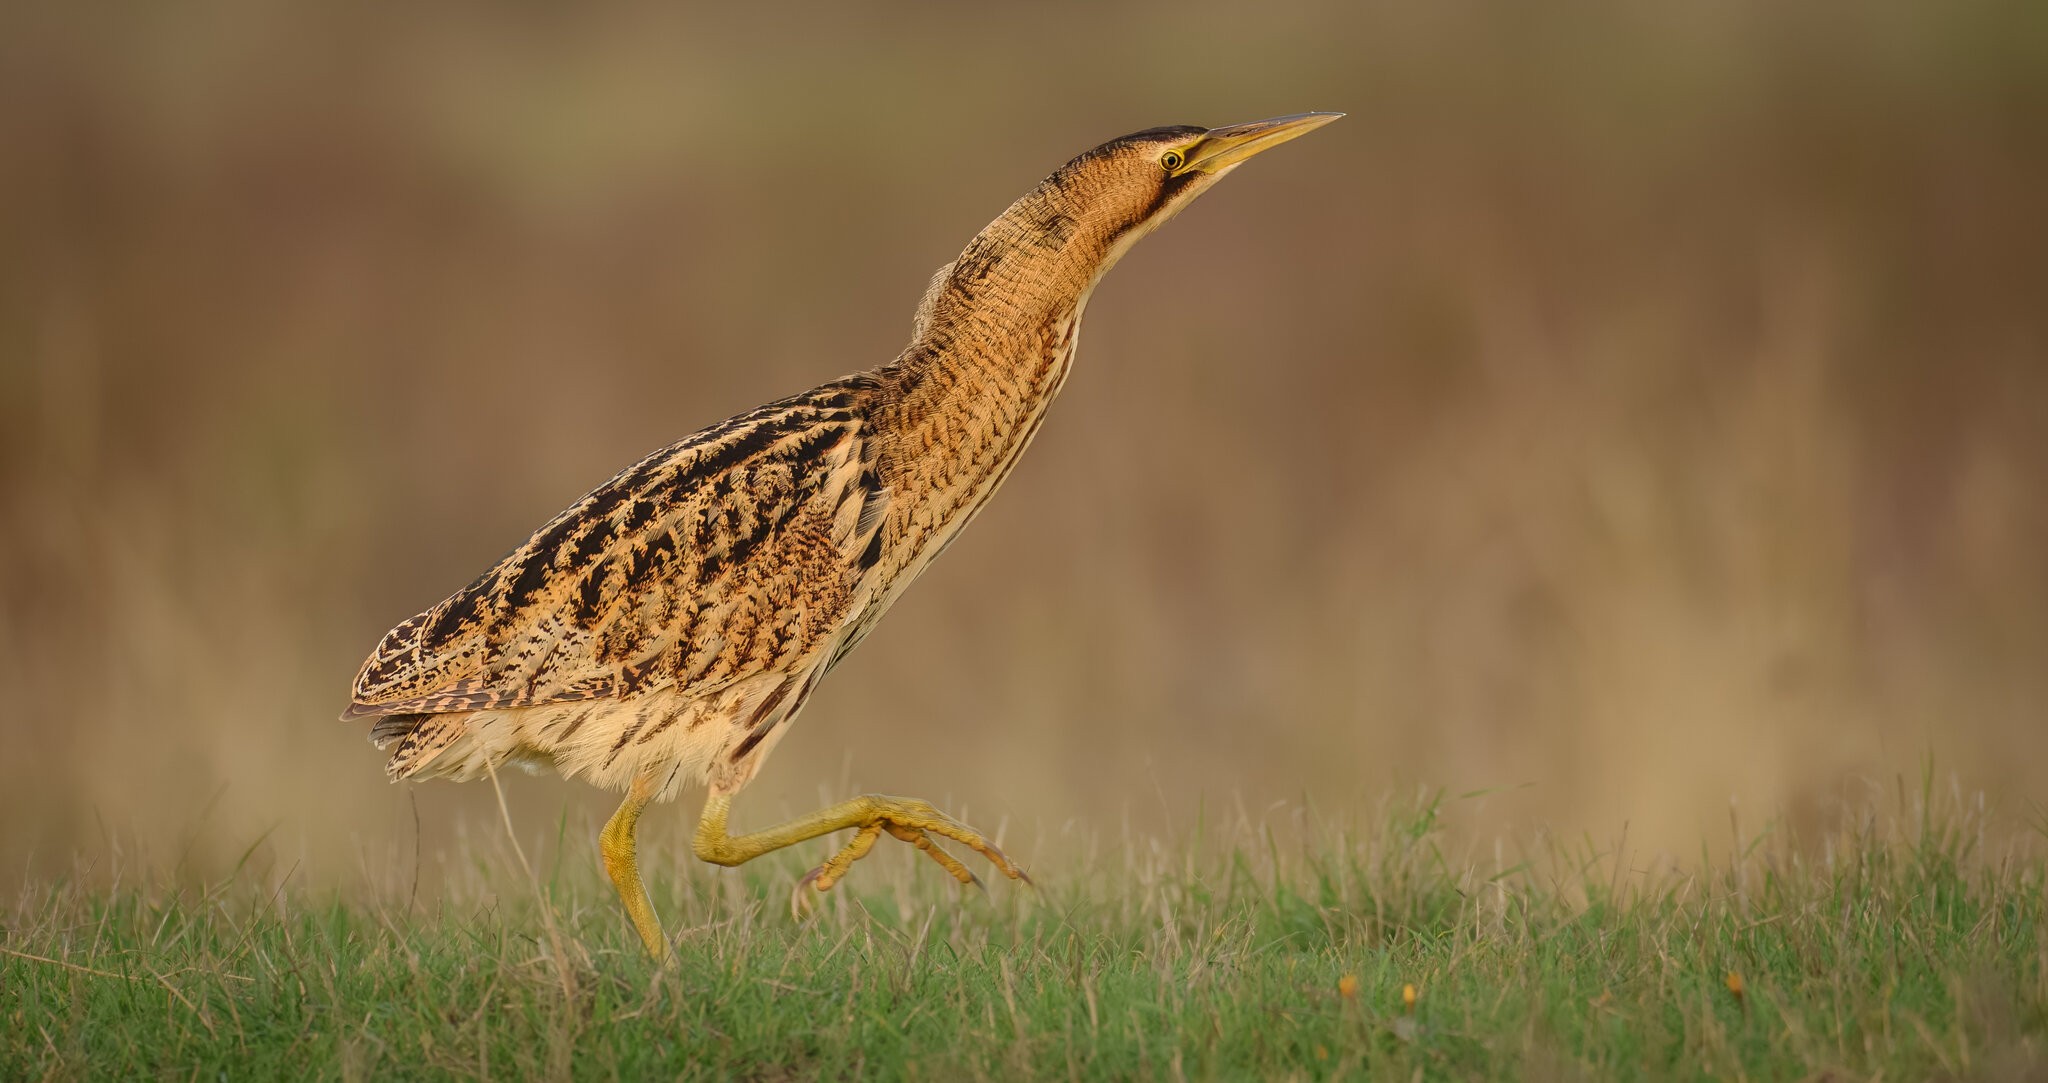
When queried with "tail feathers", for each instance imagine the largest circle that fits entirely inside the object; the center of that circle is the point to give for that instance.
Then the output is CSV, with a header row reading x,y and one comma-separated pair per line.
x,y
420,738
391,727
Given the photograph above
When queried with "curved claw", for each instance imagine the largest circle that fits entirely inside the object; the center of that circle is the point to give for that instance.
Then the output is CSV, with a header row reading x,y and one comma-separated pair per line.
x,y
1002,861
796,894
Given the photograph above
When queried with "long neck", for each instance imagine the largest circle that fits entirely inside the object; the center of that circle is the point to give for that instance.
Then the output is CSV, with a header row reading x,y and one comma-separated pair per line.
x,y
991,346
1032,267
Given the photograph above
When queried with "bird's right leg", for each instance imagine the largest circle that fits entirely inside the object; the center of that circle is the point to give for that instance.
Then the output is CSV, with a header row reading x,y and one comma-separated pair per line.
x,y
622,863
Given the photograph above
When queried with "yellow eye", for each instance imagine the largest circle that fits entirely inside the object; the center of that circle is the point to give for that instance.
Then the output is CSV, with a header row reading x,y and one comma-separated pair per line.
x,y
1171,160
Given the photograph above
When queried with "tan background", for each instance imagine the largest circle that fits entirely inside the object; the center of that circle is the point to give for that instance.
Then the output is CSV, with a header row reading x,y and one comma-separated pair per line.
x,y
1630,405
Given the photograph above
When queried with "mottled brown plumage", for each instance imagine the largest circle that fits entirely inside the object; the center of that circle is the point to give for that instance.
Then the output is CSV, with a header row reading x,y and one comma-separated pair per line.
x,y
667,627
705,580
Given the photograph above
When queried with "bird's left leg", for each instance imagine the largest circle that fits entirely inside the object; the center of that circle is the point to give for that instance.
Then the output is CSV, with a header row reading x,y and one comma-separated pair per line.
x,y
622,862
909,820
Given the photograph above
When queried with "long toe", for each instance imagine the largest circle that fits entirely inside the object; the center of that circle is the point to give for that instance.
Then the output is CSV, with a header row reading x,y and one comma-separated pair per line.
x,y
917,819
930,849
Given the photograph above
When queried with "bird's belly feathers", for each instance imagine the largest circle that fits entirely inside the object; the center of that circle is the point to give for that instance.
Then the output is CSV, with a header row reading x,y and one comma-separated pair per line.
x,y
607,742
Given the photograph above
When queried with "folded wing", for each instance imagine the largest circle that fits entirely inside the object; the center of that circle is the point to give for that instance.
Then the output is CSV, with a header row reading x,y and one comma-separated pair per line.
x,y
737,551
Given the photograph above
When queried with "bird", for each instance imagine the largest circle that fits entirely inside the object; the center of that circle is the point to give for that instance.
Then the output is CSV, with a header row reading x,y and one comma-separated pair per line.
x,y
665,630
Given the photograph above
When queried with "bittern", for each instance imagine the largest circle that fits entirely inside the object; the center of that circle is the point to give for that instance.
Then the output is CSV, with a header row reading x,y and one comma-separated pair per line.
x,y
667,627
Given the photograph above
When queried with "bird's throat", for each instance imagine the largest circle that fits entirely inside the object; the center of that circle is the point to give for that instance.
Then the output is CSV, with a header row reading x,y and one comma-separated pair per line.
x,y
995,337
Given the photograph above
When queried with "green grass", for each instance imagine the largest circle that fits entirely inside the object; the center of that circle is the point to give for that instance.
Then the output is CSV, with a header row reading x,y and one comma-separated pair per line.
x,y
1907,942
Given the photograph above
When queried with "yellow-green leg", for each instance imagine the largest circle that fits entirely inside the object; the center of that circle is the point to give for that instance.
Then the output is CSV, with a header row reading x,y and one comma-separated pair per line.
x,y
905,819
622,863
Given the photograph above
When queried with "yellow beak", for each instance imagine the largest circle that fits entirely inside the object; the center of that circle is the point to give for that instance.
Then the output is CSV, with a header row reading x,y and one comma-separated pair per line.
x,y
1222,148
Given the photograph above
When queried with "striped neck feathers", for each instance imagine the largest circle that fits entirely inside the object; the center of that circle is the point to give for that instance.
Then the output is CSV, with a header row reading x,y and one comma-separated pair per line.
x,y
1033,267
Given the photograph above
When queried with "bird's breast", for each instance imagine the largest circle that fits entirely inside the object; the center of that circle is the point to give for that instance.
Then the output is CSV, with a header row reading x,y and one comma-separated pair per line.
x,y
957,451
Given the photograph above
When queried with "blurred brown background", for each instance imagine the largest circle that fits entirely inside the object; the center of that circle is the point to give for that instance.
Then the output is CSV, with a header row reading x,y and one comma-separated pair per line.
x,y
1631,405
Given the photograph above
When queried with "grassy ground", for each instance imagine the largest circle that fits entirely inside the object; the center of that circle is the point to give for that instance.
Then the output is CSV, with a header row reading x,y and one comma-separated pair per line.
x,y
1908,943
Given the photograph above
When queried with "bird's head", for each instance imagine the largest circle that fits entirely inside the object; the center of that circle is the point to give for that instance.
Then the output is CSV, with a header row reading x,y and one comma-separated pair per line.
x,y
1130,186
1050,248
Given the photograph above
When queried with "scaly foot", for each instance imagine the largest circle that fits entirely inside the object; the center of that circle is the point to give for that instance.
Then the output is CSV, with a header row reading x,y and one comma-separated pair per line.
x,y
909,820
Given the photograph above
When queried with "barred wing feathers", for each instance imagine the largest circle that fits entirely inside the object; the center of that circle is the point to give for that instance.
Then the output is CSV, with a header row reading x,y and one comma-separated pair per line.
x,y
738,551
